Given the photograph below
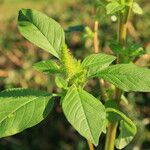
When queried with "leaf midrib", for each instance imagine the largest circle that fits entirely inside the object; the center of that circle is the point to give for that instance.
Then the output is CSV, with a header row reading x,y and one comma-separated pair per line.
x,y
85,116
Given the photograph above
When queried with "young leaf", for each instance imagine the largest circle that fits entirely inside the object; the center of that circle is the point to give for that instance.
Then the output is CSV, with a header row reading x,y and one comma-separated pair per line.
x,y
137,9
97,62
114,7
47,66
86,114
21,109
127,133
41,30
127,77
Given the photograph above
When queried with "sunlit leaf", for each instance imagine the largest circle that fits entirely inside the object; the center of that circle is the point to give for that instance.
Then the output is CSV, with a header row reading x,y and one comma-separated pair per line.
x,y
22,109
86,114
41,30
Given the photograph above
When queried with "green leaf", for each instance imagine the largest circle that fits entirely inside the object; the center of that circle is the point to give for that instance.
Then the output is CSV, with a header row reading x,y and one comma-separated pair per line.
x,y
86,114
88,33
127,128
127,77
137,9
41,30
127,133
111,116
47,66
21,109
97,62
61,83
114,7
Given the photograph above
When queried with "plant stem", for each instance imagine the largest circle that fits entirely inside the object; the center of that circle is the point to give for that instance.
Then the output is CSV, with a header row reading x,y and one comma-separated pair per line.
x,y
96,50
122,35
111,135
91,147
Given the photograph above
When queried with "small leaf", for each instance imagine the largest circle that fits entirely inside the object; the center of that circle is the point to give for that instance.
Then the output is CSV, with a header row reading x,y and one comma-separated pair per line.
x,y
114,7
127,77
88,33
47,66
21,109
60,82
127,133
97,62
137,9
86,114
41,30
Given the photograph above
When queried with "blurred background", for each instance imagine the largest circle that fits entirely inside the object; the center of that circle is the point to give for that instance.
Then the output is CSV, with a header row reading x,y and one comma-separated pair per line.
x,y
17,56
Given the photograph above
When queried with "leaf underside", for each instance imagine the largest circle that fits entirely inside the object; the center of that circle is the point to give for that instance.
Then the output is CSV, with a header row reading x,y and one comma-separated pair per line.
x,y
21,109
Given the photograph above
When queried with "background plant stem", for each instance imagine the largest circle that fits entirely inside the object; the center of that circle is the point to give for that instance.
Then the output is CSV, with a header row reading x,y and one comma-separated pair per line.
x,y
122,35
96,42
97,50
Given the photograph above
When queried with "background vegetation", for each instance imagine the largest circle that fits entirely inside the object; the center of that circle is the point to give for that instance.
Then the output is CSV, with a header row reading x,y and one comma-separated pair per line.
x,y
17,56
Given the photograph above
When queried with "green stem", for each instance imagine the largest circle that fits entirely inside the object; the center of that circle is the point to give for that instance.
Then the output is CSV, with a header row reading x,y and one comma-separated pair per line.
x,y
122,35
111,135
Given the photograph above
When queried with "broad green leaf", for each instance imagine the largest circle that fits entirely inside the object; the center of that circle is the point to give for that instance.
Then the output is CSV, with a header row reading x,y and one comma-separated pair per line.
x,y
114,7
41,30
86,113
21,109
47,66
137,9
127,77
127,133
127,128
97,62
